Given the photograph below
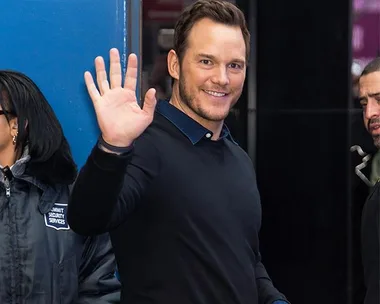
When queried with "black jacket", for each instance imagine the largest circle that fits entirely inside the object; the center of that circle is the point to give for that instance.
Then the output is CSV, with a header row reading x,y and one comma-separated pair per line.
x,y
41,259
365,212
370,237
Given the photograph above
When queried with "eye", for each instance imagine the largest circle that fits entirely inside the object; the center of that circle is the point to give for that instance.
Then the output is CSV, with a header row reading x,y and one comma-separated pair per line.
x,y
206,61
235,66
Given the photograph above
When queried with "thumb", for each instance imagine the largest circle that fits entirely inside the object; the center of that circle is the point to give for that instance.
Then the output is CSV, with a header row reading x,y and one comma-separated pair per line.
x,y
150,102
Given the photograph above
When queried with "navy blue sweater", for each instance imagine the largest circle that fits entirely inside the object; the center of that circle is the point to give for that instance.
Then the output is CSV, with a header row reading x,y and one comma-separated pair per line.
x,y
184,215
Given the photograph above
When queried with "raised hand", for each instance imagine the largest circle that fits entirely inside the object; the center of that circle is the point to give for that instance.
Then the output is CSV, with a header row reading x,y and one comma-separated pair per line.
x,y
120,118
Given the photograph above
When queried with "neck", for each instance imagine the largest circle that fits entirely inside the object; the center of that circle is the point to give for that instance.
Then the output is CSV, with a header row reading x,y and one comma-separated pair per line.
x,y
8,156
214,126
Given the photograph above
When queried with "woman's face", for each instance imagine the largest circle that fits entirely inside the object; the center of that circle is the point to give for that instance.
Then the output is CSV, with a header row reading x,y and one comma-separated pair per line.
x,y
8,130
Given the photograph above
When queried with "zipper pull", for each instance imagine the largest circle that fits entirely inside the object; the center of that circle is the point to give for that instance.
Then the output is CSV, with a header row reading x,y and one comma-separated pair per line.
x,y
7,187
7,178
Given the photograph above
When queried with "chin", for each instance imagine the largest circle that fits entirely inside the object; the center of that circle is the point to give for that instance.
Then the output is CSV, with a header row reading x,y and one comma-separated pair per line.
x,y
213,115
213,111
376,141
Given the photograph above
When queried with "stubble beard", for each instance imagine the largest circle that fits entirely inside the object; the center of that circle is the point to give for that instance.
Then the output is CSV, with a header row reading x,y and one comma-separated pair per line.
x,y
188,100
376,141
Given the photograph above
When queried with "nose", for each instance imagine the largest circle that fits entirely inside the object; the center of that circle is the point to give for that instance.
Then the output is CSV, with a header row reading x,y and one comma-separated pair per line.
x,y
372,110
220,76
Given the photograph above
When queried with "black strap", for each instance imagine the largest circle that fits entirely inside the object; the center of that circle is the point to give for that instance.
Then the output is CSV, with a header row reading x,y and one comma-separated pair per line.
x,y
119,150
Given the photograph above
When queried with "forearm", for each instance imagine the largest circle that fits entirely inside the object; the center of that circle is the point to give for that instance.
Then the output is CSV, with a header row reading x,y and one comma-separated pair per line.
x,y
96,192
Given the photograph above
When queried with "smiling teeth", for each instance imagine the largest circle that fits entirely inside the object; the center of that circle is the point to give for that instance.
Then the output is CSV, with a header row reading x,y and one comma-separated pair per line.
x,y
216,94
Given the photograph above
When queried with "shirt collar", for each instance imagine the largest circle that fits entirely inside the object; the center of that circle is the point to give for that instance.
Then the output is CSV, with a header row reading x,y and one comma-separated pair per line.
x,y
189,127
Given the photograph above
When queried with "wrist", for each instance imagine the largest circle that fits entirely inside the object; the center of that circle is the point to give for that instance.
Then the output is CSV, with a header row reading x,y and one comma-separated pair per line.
x,y
114,142
110,148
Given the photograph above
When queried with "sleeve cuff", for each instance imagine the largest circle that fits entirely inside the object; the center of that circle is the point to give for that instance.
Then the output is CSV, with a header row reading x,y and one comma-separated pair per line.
x,y
110,161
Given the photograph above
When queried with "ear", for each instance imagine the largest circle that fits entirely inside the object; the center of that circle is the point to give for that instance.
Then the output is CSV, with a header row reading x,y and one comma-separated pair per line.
x,y
173,65
14,126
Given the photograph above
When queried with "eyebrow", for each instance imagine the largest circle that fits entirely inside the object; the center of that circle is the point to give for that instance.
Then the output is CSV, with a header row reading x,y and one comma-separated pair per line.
x,y
211,57
364,98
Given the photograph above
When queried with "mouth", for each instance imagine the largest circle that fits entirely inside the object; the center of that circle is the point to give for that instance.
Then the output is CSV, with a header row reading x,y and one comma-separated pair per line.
x,y
215,93
374,128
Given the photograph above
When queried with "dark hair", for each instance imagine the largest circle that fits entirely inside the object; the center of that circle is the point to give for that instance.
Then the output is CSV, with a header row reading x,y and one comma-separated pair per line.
x,y
218,11
371,67
38,128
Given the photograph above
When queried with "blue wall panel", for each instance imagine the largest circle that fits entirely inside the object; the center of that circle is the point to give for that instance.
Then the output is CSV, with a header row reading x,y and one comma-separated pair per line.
x,y
54,42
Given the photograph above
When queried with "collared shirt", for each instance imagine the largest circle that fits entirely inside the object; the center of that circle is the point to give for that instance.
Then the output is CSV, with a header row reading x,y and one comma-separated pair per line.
x,y
189,127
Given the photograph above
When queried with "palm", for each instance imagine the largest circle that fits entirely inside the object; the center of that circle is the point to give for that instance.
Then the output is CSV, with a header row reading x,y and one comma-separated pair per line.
x,y
120,118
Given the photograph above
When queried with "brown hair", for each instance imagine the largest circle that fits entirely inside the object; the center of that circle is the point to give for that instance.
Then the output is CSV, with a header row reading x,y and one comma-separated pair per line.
x,y
373,66
219,11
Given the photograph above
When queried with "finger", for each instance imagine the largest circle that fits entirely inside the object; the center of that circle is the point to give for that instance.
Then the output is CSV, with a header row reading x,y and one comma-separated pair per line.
x,y
115,68
91,87
101,75
131,75
150,102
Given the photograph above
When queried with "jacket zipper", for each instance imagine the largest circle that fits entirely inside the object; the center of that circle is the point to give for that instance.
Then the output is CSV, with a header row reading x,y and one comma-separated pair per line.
x,y
7,185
